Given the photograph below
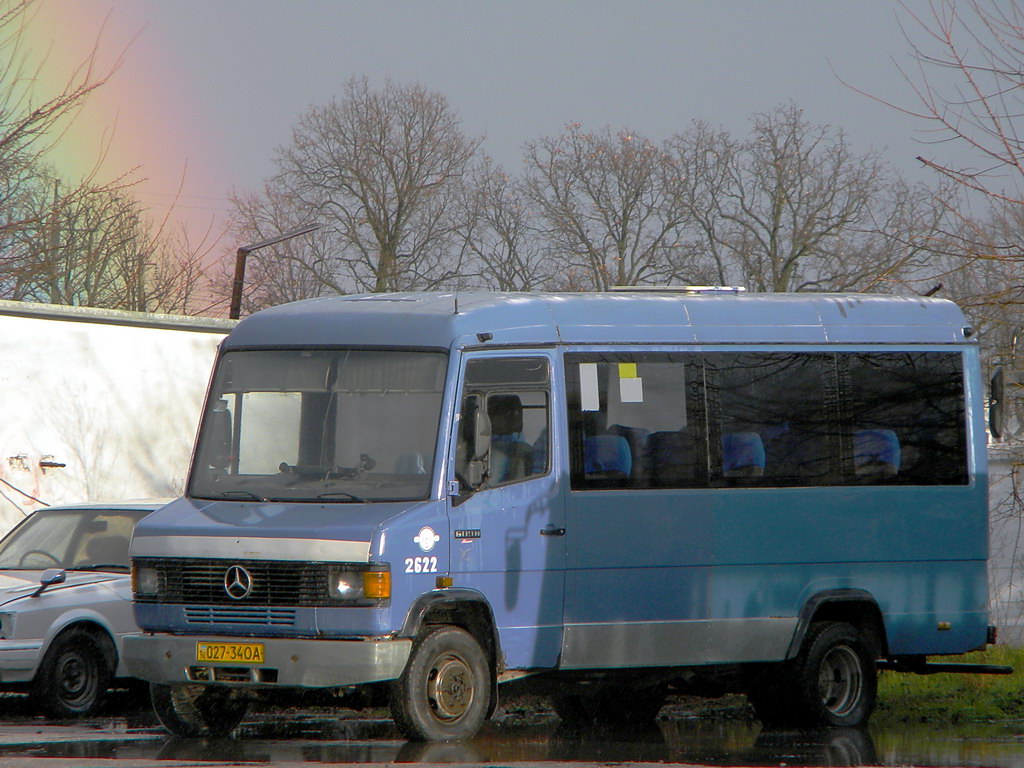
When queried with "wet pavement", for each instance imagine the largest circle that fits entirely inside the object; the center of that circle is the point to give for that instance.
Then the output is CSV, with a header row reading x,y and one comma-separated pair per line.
x,y
529,735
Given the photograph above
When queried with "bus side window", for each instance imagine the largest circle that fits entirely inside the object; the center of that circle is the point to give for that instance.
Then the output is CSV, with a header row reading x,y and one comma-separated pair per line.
x,y
776,418
907,417
636,420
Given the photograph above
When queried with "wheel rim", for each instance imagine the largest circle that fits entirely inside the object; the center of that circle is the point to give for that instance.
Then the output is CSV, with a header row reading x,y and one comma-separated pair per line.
x,y
75,678
450,687
840,680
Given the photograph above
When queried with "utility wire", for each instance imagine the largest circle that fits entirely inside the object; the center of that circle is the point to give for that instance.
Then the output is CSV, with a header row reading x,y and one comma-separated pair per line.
x,y
26,495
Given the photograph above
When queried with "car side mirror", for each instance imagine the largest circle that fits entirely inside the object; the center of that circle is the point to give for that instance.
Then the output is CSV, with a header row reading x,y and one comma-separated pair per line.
x,y
50,577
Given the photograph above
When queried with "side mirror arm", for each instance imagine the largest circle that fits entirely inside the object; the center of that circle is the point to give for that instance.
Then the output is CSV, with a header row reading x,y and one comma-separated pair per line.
x,y
50,577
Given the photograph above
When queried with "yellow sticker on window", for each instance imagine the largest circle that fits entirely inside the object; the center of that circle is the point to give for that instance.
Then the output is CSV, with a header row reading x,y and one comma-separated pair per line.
x,y
627,370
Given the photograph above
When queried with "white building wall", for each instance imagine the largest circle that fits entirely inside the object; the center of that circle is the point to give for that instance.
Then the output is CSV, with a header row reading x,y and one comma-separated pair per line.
x,y
1006,540
113,396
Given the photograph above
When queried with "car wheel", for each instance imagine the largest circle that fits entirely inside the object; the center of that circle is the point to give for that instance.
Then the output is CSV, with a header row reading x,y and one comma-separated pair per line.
x,y
73,678
196,710
445,690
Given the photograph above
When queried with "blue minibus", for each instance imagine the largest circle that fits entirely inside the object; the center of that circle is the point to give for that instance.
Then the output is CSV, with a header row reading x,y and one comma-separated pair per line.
x,y
605,498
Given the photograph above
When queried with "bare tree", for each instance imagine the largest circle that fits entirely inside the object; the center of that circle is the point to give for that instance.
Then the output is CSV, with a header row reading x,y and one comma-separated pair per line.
x,y
789,208
966,84
381,171
97,249
969,60
504,249
83,249
29,127
602,196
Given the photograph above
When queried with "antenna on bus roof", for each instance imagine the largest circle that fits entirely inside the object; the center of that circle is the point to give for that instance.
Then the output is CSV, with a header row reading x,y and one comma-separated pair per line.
x,y
678,289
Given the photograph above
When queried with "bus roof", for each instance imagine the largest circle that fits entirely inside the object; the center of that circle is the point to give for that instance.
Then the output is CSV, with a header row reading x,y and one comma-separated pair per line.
x,y
445,320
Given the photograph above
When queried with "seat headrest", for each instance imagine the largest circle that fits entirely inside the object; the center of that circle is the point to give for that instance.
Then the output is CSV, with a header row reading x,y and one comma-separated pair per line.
x,y
505,413
742,451
107,550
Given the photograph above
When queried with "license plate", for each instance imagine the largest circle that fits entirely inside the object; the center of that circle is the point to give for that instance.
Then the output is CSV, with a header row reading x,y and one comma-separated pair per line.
x,y
233,653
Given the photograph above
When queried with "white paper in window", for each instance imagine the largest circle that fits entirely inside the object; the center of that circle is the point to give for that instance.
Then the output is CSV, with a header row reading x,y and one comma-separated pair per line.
x,y
589,398
631,390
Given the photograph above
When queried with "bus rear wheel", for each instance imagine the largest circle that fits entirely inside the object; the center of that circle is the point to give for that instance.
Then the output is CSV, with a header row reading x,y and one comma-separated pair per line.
x,y
832,682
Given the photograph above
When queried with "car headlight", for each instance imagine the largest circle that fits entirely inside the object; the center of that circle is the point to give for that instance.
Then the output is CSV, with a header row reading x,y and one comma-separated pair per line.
x,y
359,585
145,581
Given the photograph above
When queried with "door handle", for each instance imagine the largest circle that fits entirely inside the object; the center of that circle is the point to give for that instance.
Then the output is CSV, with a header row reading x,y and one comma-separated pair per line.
x,y
550,530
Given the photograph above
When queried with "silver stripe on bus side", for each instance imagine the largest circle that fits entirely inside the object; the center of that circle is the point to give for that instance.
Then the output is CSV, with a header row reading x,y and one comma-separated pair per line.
x,y
251,548
675,643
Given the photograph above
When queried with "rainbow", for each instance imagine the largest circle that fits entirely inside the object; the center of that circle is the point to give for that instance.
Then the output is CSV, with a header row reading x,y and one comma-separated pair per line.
x,y
143,117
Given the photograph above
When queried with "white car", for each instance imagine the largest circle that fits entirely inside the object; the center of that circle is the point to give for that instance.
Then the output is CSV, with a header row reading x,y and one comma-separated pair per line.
x,y
66,604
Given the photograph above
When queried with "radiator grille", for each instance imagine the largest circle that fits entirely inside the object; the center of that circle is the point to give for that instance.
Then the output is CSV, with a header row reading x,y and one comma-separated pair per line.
x,y
189,581
282,617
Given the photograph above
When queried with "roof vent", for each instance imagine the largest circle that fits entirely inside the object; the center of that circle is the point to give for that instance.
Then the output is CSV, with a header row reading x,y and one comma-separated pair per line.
x,y
678,289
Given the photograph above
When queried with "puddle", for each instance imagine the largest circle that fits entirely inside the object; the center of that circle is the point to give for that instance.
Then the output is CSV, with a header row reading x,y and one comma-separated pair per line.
x,y
298,736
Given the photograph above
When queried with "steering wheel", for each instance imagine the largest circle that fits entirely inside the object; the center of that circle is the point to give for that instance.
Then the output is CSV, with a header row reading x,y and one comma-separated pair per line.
x,y
44,553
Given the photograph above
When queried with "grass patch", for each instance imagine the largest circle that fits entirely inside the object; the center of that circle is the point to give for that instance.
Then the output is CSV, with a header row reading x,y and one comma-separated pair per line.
x,y
952,697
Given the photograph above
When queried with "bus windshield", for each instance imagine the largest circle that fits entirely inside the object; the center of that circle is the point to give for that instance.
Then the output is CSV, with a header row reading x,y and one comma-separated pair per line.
x,y
320,425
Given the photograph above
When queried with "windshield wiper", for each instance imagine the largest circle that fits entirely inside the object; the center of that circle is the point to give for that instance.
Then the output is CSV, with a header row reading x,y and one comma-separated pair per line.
x,y
351,496
101,567
240,495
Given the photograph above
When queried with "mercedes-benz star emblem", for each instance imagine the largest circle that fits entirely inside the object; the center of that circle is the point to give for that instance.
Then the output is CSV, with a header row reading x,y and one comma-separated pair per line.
x,y
237,582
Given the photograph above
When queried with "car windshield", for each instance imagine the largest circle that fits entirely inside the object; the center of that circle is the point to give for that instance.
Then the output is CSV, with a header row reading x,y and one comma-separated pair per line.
x,y
320,425
73,539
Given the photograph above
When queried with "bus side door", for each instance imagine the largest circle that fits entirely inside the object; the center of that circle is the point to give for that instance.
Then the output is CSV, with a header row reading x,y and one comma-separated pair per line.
x,y
508,518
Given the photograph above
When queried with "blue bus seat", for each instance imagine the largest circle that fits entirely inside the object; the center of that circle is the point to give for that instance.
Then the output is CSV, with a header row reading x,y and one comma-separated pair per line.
x,y
742,454
876,453
606,456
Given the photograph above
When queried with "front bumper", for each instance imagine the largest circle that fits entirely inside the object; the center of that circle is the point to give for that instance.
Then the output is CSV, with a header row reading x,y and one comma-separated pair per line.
x,y
161,658
19,660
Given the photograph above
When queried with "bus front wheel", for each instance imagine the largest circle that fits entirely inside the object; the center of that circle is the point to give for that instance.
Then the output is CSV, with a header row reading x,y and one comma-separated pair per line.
x,y
195,710
445,690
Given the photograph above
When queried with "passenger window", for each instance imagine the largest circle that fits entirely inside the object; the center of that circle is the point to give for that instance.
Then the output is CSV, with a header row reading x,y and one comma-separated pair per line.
x,y
906,413
636,421
510,397
774,419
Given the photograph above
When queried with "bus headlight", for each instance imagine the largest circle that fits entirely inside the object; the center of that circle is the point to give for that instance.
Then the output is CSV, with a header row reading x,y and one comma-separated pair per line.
x,y
360,585
145,581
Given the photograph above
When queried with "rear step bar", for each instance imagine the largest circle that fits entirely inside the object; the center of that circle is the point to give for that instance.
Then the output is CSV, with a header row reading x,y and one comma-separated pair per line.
x,y
918,667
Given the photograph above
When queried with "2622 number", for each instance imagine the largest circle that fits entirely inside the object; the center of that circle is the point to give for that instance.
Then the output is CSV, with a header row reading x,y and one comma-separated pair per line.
x,y
421,565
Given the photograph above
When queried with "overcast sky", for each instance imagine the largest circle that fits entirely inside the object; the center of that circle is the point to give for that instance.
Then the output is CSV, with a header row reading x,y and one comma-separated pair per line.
x,y
216,85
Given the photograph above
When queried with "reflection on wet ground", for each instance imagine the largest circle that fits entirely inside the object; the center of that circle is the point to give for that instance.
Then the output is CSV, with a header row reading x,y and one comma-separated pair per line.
x,y
532,736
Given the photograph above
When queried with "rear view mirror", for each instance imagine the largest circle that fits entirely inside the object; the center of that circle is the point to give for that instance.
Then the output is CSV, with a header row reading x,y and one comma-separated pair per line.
x,y
479,434
997,404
